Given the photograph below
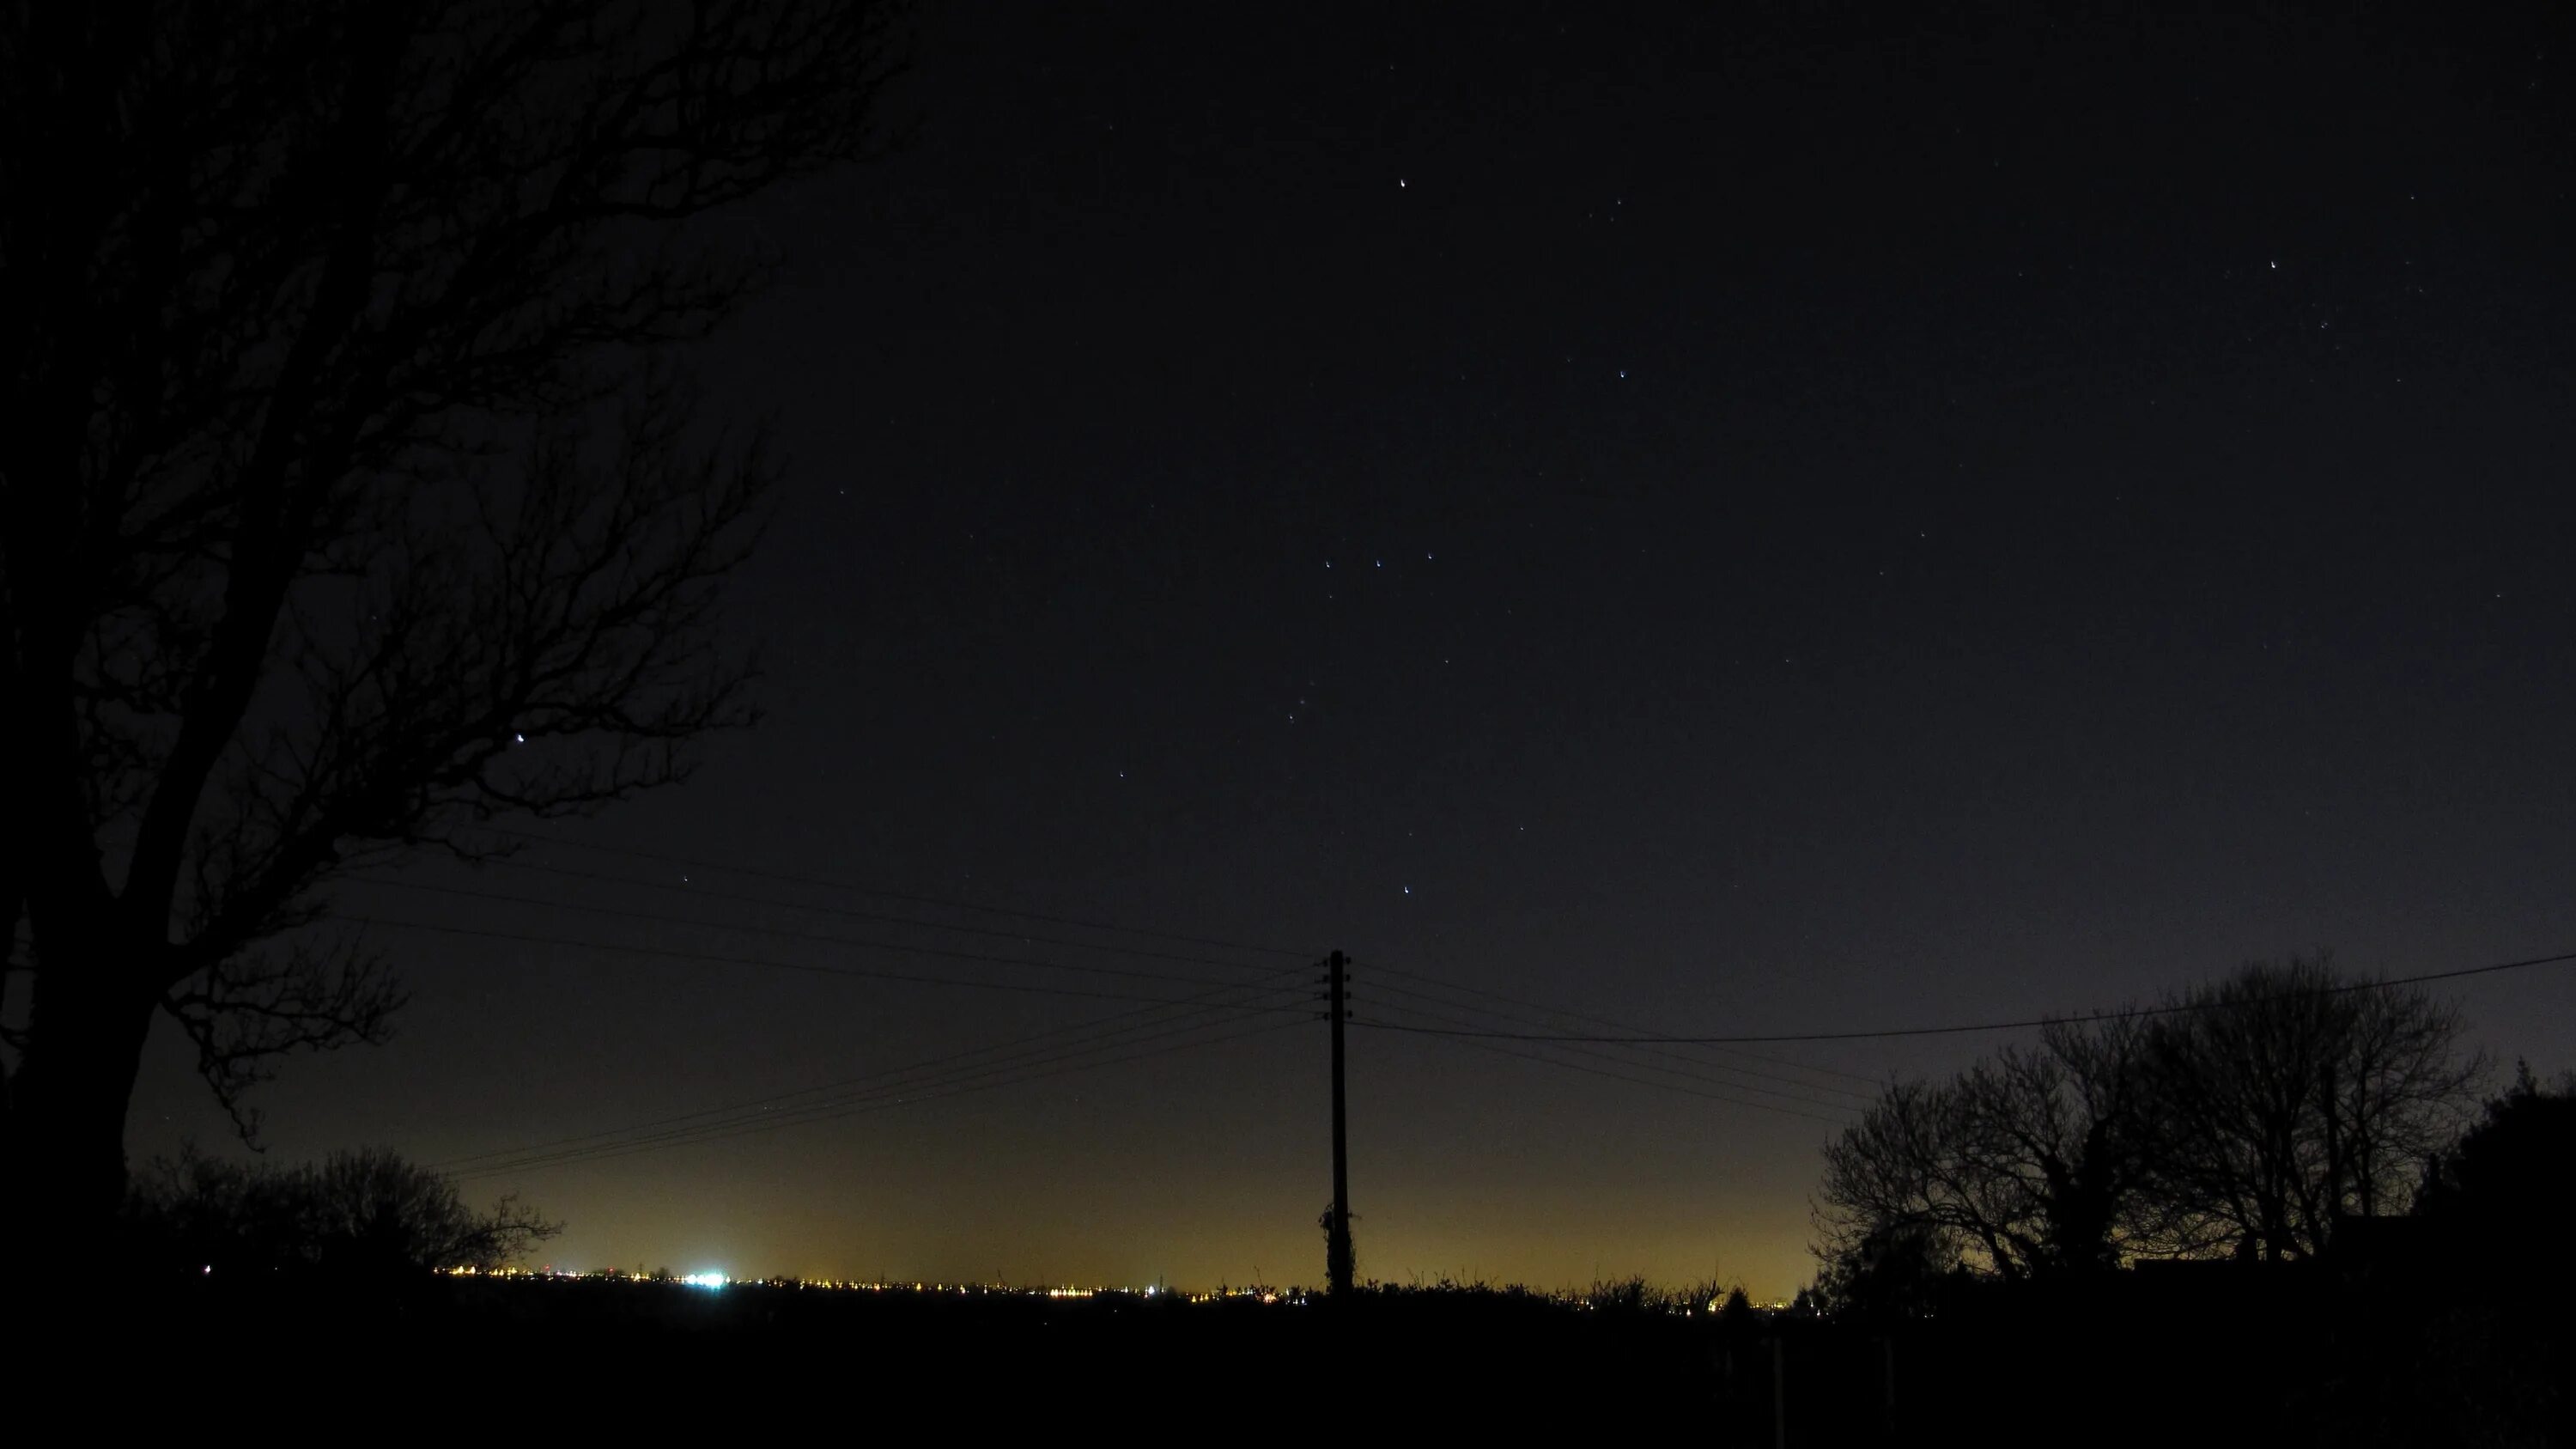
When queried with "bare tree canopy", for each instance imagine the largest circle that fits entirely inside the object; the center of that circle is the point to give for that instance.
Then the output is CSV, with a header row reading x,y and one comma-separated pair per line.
x,y
2286,1099
2247,1115
2026,1162
351,494
358,1213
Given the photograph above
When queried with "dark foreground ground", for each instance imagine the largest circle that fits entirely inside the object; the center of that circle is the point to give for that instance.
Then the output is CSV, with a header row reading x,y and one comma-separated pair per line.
x,y
2207,1359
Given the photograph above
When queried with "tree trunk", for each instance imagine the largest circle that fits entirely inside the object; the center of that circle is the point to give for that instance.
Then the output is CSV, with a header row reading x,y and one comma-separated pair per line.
x,y
68,1100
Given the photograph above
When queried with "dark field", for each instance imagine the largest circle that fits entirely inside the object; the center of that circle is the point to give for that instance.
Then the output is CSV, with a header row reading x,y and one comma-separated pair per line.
x,y
2194,1357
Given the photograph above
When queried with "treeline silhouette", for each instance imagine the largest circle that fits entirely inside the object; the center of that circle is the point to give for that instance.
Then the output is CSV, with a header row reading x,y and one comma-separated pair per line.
x,y
2266,1207
366,1215
2247,1117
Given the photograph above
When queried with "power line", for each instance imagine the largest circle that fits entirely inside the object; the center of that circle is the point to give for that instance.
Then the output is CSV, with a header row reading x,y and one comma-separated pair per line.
x,y
877,917
1459,986
1586,1050
897,946
1650,1082
722,960
2170,1009
999,1052
1469,1039
915,899
678,1131
752,1128
893,1093
1651,1051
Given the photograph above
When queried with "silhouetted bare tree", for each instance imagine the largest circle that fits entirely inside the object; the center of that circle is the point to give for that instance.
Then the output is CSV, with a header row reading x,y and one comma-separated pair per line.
x,y
2028,1161
2245,1115
2289,1094
1898,1271
348,496
354,1214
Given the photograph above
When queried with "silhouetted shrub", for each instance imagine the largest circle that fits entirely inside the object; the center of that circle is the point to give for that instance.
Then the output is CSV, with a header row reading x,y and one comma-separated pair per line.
x,y
2506,1186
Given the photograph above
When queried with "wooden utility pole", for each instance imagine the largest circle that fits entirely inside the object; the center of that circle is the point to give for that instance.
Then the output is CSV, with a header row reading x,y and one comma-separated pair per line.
x,y
1338,1262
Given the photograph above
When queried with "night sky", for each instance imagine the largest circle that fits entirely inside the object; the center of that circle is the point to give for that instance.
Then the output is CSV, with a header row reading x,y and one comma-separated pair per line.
x,y
1728,519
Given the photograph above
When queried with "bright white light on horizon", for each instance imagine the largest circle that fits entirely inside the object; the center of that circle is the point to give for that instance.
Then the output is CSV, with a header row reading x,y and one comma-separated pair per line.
x,y
705,1280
